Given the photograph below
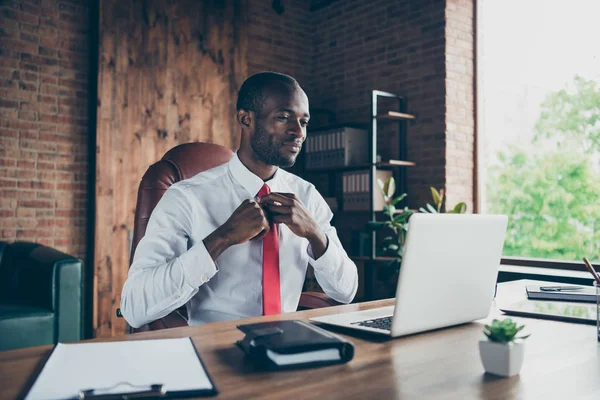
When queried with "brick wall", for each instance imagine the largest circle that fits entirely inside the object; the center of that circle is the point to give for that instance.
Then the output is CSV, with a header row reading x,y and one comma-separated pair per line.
x,y
281,42
43,122
396,47
341,51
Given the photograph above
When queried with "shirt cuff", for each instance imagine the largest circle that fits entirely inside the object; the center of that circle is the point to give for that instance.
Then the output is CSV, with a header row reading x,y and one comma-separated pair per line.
x,y
197,264
327,259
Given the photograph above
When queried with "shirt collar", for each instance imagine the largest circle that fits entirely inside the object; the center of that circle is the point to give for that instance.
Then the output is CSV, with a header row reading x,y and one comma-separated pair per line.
x,y
247,178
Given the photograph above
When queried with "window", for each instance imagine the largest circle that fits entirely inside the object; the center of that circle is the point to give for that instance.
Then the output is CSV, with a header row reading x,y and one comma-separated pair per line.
x,y
538,93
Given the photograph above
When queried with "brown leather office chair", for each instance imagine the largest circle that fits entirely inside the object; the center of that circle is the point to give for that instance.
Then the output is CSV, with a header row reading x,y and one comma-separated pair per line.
x,y
179,163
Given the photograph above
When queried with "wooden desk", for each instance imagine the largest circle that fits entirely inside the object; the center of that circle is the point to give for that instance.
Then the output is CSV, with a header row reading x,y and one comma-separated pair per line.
x,y
562,361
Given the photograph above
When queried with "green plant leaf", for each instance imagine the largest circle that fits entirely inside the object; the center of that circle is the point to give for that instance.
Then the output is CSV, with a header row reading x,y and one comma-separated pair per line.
x,y
391,187
430,208
504,331
436,196
375,225
460,208
401,218
383,187
398,199
423,210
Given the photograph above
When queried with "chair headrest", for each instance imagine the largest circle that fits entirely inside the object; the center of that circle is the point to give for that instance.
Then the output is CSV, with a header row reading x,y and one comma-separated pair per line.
x,y
179,163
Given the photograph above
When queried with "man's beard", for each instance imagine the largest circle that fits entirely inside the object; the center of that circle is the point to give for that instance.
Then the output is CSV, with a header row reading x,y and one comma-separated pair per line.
x,y
268,151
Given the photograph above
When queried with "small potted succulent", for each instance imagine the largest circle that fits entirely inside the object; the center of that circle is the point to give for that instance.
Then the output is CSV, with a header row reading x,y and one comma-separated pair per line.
x,y
502,354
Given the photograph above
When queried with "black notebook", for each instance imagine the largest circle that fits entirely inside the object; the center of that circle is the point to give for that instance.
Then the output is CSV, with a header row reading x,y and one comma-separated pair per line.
x,y
293,344
586,294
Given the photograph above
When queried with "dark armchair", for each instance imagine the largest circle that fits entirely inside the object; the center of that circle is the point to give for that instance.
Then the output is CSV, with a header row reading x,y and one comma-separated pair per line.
x,y
179,163
41,296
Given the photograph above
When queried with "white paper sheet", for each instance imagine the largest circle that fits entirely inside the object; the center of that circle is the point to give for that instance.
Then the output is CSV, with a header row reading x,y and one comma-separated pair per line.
x,y
306,357
80,366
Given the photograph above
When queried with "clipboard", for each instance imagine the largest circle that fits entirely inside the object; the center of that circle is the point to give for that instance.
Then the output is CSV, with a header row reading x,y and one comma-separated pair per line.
x,y
122,370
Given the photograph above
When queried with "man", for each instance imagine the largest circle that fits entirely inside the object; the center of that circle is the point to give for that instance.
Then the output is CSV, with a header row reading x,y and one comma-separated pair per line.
x,y
235,241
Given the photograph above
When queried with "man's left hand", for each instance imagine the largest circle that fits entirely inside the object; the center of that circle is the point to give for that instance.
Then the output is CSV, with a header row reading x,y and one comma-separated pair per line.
x,y
285,208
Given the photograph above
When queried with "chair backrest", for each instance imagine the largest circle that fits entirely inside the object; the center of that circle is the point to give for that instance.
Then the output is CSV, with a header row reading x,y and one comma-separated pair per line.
x,y
179,163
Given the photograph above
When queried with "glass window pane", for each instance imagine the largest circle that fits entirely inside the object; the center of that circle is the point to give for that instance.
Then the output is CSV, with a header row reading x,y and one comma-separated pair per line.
x,y
539,124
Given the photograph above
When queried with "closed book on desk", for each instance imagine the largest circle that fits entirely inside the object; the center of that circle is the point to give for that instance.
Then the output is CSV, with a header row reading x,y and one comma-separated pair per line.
x,y
293,344
586,294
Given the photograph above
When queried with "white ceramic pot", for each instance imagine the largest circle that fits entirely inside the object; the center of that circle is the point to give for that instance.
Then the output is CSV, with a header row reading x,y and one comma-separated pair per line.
x,y
500,358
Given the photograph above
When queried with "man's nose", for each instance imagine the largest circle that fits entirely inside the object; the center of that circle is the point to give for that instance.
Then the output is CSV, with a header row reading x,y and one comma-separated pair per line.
x,y
297,130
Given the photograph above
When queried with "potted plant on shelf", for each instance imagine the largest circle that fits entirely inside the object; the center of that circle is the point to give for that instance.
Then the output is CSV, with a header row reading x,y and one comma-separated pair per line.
x,y
502,353
438,200
396,223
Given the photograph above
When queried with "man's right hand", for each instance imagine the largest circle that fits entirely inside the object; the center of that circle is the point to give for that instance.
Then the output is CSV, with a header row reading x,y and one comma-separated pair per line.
x,y
247,222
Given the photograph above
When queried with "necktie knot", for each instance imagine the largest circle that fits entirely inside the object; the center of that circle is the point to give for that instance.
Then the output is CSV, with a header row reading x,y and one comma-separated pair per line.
x,y
264,190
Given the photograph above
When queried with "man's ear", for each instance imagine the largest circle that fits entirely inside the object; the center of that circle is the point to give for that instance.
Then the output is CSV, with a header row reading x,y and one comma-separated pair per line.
x,y
245,118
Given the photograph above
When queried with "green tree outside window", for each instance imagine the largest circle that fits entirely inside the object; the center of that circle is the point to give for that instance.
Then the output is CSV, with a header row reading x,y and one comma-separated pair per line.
x,y
552,193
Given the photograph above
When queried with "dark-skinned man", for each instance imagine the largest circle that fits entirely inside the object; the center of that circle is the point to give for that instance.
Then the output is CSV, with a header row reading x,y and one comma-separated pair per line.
x,y
235,241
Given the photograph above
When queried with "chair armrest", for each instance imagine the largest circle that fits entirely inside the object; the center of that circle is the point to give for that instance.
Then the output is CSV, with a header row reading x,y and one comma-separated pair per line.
x,y
53,280
173,320
310,300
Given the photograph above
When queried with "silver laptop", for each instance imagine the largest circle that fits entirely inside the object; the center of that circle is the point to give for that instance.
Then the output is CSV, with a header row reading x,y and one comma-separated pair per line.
x,y
448,276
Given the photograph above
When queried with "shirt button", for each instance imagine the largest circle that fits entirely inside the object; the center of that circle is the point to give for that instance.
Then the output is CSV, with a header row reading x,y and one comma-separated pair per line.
x,y
204,278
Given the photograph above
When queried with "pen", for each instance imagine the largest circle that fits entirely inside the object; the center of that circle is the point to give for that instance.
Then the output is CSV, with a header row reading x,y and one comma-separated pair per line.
x,y
560,288
591,269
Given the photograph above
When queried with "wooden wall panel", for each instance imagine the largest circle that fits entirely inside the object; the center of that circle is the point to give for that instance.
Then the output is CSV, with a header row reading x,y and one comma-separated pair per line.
x,y
169,72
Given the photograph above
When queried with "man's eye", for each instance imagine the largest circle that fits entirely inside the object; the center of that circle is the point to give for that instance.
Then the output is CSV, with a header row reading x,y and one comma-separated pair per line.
x,y
283,118
304,123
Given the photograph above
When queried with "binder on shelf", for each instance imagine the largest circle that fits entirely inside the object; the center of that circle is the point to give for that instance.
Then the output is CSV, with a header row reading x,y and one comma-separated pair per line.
x,y
293,344
357,193
340,147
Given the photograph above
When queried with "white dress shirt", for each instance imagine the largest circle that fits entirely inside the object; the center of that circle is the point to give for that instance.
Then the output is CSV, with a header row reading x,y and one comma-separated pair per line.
x,y
172,267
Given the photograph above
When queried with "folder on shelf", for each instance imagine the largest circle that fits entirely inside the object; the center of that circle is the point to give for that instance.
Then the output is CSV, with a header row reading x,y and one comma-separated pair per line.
x,y
293,344
135,368
357,193
338,147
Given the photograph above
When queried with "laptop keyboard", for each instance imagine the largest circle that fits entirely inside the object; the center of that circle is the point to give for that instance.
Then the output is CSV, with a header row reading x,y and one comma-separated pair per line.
x,y
384,323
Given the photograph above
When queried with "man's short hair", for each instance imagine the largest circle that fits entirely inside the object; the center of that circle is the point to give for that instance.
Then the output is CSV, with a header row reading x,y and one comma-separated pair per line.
x,y
251,96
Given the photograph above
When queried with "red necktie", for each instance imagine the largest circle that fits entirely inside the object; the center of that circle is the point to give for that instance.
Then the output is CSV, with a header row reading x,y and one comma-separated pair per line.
x,y
270,277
